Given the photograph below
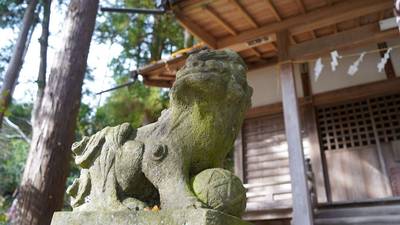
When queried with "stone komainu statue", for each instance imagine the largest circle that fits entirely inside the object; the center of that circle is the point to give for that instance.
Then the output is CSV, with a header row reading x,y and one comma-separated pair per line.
x,y
127,168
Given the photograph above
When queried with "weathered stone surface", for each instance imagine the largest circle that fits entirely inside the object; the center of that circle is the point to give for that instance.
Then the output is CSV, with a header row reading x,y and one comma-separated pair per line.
x,y
163,217
124,168
221,190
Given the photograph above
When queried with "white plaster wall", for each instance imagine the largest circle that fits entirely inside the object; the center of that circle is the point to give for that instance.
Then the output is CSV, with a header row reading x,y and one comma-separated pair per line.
x,y
333,80
395,55
266,86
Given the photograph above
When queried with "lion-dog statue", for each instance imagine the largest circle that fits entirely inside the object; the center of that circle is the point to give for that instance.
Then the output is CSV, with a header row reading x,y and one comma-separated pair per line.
x,y
127,168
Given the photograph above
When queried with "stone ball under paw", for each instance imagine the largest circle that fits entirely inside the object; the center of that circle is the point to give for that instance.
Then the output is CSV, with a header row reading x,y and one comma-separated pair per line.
x,y
220,190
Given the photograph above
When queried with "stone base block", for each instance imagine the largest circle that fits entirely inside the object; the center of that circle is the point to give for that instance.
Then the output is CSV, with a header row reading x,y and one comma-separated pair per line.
x,y
162,217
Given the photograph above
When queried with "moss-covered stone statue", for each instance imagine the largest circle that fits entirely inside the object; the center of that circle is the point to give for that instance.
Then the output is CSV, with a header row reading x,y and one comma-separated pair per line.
x,y
171,162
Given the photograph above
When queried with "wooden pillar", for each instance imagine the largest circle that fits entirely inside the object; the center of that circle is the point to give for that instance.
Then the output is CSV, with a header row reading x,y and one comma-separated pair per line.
x,y
238,155
311,130
302,209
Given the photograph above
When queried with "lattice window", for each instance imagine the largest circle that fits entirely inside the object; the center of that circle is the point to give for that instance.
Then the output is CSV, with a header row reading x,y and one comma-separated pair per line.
x,y
345,126
386,114
352,124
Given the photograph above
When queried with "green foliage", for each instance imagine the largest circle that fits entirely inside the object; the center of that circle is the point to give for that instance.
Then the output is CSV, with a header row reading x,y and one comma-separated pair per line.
x,y
135,104
11,12
5,56
83,127
11,165
12,161
14,149
3,210
144,38
20,114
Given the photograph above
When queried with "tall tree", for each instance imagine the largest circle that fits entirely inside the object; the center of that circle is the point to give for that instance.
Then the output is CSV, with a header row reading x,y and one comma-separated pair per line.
x,y
42,187
397,12
17,59
44,40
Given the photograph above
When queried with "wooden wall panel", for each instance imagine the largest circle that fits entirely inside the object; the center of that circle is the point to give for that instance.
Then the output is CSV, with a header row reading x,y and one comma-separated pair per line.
x,y
355,174
265,162
393,165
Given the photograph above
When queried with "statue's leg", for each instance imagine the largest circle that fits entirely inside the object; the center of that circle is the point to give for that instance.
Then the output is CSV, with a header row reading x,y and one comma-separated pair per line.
x,y
168,170
130,178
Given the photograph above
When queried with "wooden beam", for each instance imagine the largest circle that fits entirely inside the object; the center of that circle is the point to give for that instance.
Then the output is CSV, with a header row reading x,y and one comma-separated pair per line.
x,y
305,80
274,46
158,83
357,10
384,87
214,15
301,6
329,2
346,39
303,10
196,30
256,52
273,10
244,45
264,110
389,69
302,209
244,13
334,26
283,44
263,63
324,16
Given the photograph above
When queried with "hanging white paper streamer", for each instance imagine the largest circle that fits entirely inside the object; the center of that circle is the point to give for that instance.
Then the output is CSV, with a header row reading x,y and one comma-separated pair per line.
x,y
354,68
382,63
335,56
318,68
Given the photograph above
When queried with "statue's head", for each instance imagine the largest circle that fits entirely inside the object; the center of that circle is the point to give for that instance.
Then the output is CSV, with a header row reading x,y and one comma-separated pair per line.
x,y
212,77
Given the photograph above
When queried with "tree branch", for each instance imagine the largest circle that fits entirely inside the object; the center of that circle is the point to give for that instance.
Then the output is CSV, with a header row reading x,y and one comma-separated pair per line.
x,y
16,128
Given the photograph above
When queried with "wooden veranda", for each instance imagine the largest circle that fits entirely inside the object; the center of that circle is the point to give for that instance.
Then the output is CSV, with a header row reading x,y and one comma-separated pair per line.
x,y
280,32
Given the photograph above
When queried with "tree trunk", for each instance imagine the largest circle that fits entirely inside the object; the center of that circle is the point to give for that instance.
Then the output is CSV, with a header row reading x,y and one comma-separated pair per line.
x,y
157,43
43,183
397,12
15,65
44,40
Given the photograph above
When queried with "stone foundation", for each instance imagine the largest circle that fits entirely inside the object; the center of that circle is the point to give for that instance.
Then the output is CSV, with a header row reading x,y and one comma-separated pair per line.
x,y
162,217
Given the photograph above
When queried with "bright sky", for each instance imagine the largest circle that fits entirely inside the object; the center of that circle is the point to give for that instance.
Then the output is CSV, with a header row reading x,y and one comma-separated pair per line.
x,y
99,57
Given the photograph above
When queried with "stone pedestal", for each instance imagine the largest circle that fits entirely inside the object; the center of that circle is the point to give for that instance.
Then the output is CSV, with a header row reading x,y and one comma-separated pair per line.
x,y
162,217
